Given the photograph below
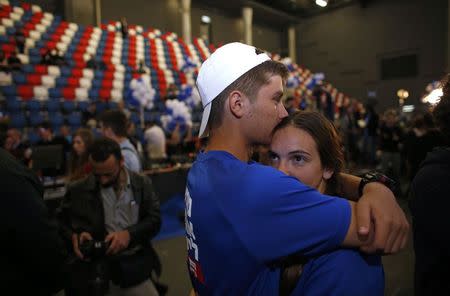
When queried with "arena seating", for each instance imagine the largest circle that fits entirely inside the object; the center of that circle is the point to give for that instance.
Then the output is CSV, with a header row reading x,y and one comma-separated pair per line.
x,y
60,93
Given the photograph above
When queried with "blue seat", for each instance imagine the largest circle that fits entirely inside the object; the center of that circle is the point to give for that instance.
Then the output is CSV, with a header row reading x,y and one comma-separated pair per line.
x,y
100,107
93,94
9,91
65,71
52,105
54,93
113,105
61,81
28,68
74,120
33,137
134,117
83,105
36,119
68,106
19,78
13,105
97,83
33,105
18,120
56,120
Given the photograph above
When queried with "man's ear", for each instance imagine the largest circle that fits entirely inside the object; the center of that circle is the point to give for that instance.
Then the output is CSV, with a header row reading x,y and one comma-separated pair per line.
x,y
327,173
236,102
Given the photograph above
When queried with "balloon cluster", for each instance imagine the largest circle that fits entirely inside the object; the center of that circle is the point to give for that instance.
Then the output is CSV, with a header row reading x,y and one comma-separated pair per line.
x,y
177,113
142,93
189,95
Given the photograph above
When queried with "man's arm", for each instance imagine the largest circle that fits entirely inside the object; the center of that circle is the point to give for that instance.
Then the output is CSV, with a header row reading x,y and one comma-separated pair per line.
x,y
149,220
376,211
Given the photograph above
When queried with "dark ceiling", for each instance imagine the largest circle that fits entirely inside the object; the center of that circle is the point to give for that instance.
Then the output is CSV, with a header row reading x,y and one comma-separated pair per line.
x,y
277,12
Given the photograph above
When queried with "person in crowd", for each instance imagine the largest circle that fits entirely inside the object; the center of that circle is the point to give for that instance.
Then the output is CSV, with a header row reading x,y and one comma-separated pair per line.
x,y
124,27
3,63
120,207
370,135
64,131
421,139
172,92
47,138
156,143
19,38
79,164
32,251
390,144
14,63
94,64
114,124
307,147
19,148
260,213
429,205
90,114
142,68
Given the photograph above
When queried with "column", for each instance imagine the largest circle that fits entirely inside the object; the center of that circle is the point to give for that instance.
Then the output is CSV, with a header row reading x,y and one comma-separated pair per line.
x,y
247,15
98,13
291,43
186,20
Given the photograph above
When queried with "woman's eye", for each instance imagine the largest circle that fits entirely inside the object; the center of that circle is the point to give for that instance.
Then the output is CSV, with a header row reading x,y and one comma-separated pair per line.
x,y
299,159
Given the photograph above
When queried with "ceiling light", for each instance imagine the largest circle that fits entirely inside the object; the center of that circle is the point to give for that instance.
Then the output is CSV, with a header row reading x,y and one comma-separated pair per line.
x,y
206,19
322,3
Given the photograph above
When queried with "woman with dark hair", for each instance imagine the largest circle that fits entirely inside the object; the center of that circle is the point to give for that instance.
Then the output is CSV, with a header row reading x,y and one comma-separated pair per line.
x,y
307,147
79,165
429,205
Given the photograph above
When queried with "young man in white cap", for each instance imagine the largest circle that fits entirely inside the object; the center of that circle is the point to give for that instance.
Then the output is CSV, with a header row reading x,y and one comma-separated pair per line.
x,y
243,218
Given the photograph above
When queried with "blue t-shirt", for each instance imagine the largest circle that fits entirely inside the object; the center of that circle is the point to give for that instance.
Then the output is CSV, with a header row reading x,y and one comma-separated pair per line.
x,y
243,217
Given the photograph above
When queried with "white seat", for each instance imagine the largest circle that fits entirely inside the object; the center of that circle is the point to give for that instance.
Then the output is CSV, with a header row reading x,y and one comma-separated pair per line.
x,y
40,93
81,94
35,8
116,95
7,22
85,82
23,58
53,71
18,9
88,73
48,80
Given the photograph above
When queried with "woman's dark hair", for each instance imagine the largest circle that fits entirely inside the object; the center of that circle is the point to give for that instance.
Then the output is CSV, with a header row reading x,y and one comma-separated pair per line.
x,y
327,141
103,148
441,112
78,162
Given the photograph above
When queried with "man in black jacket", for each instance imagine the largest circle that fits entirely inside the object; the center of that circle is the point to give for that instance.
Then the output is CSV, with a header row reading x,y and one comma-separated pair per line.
x,y
31,252
430,205
119,207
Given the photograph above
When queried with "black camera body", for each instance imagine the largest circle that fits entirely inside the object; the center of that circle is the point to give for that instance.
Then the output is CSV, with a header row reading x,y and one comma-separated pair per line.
x,y
92,249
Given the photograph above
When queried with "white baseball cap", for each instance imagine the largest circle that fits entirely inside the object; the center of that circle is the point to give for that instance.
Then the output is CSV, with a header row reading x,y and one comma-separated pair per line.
x,y
222,68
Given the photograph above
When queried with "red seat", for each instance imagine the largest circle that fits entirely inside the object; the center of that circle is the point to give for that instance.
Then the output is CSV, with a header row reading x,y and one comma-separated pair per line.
x,y
107,83
68,93
34,79
105,94
77,72
40,69
73,82
25,91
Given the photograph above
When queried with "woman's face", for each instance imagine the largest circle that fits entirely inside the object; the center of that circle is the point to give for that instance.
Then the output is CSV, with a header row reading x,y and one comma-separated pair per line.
x,y
294,152
78,145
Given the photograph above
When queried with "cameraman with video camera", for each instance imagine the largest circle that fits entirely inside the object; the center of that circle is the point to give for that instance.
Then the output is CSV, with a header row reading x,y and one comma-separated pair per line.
x,y
109,218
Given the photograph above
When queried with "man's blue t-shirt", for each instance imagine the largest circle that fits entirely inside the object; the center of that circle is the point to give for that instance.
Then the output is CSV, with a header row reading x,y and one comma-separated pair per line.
x,y
243,217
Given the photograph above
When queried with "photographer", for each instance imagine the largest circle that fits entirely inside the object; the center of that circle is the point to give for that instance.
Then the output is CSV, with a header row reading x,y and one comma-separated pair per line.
x,y
110,217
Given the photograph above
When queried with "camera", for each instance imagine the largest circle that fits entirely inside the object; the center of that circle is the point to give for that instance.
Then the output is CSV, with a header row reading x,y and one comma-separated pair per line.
x,y
93,250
